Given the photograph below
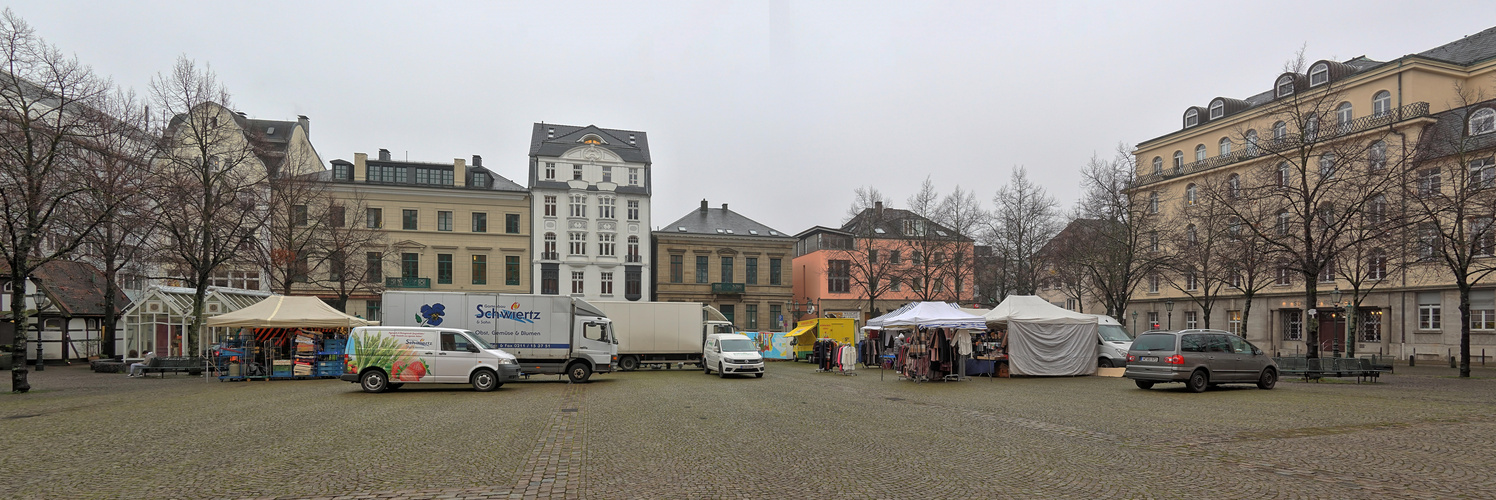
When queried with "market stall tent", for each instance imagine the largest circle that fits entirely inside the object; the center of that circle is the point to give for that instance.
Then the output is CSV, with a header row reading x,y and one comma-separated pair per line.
x,y
935,315
286,311
1046,340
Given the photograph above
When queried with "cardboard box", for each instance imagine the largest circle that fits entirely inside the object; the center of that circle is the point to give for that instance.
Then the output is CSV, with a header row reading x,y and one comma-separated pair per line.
x,y
1110,372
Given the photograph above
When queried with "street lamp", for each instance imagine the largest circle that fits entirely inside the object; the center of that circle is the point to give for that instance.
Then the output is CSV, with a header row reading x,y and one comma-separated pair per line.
x,y
41,301
1169,307
1335,343
1134,324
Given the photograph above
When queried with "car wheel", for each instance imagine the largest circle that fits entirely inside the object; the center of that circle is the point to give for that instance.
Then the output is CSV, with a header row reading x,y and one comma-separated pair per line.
x,y
758,375
628,363
1143,384
1199,381
1268,380
578,372
720,373
374,381
485,380
1104,363
705,369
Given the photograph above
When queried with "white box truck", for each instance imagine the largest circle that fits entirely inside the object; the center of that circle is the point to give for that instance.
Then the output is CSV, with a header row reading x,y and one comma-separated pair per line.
x,y
548,334
662,333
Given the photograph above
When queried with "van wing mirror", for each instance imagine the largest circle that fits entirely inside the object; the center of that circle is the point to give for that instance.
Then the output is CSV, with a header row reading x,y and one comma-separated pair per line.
x,y
472,348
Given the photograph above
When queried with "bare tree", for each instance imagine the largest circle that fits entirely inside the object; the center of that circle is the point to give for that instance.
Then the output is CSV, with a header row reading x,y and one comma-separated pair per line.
x,y
868,266
352,255
1025,218
1251,259
48,123
961,212
297,219
1453,201
1115,252
215,199
1197,236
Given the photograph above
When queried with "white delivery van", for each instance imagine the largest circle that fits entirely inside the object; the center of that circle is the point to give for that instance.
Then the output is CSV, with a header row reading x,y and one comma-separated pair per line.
x,y
1112,342
549,334
662,333
731,354
380,358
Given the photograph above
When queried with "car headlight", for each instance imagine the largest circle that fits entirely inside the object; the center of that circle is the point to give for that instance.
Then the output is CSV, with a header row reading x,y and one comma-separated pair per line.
x,y
508,361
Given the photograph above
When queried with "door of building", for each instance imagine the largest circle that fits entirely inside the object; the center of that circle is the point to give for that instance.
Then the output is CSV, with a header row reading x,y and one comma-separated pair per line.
x,y
1331,332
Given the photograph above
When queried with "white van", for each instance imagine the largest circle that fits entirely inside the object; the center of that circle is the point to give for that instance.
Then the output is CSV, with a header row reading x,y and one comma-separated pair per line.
x,y
731,353
380,358
1112,342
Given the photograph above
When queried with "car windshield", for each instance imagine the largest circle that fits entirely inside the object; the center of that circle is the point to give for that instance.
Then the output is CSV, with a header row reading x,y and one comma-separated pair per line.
x,y
738,345
1154,342
476,341
1114,333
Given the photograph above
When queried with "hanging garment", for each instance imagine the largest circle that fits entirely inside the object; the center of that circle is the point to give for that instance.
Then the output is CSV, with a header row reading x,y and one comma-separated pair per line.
x,y
963,339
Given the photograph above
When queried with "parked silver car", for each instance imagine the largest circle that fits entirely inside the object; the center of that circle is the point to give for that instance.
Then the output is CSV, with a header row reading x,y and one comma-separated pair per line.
x,y
1200,359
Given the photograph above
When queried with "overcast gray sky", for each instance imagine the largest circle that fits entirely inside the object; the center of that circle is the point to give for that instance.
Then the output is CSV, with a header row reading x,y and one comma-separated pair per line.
x,y
780,109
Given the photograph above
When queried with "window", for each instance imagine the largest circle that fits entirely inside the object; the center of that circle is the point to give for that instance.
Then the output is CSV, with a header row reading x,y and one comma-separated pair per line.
x,y
1427,243
607,174
373,218
633,283
1293,324
1153,241
1376,155
550,170
894,285
1376,265
579,205
872,256
511,270
701,269
727,270
434,176
895,257
550,205
1376,210
1370,324
1235,280
1191,283
1217,109
1191,319
1327,166
410,265
1233,226
633,249
730,312
337,264
1191,117
1343,117
1200,152
1153,321
408,219
1283,218
374,263
677,269
839,276
576,175
751,311
1285,275
774,318
606,244
298,215
605,207
1191,236
750,270
605,285
443,220
1158,165
1482,310
1482,173
1283,173
774,265
1285,86
1319,74
342,171
1311,128
336,216
1250,142
578,243
1233,186
511,223
550,280
443,269
1429,311
578,282
1225,146
1153,283
1327,273
549,250
1178,160
1481,237
1190,194
1153,202
633,177
1280,131
633,208
479,180
1381,103
386,173
1429,182
1483,120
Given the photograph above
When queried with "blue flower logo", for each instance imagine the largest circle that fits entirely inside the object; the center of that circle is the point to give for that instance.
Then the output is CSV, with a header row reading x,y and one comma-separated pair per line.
x,y
431,315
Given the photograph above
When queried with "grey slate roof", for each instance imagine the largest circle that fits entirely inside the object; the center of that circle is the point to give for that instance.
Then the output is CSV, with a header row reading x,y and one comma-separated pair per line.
x,y
891,222
1448,135
711,220
1466,51
500,183
567,137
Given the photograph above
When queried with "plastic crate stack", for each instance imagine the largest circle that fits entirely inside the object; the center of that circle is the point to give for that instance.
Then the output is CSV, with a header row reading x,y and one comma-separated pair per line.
x,y
330,358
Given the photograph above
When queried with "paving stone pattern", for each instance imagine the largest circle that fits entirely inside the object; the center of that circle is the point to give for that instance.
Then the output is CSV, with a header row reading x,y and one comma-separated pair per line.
x,y
1420,433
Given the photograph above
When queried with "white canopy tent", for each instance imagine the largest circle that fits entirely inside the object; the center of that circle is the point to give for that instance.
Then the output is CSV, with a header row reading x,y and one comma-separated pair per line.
x,y
934,315
1046,340
283,311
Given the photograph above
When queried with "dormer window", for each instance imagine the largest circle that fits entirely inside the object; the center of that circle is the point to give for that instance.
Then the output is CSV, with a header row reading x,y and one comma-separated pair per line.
x,y
1319,74
1285,86
1191,118
1482,121
1217,109
591,139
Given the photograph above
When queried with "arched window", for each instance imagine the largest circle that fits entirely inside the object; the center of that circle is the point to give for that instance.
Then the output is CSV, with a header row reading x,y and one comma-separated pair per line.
x,y
1311,127
1284,86
1191,236
1178,160
1153,202
1200,152
1283,223
1376,155
1225,146
550,247
1343,116
1327,166
1191,117
1319,74
1251,142
1217,109
1190,193
1283,174
1376,264
1376,210
1280,131
633,248
1381,103
1233,186
1483,120
592,139
1158,165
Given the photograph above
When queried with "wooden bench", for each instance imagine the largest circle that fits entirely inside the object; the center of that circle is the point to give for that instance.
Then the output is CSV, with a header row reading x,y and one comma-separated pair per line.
x,y
190,365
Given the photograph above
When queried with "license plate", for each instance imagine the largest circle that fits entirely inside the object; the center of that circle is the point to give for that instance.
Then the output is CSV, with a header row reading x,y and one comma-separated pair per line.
x,y
1149,359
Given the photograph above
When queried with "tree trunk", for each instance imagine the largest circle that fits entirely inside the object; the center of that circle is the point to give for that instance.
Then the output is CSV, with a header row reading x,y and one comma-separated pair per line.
x,y
1464,329
1311,327
18,372
107,336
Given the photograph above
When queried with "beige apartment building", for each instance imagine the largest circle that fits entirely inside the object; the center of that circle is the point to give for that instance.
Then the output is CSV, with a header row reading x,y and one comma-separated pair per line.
x,y
723,259
1378,125
456,227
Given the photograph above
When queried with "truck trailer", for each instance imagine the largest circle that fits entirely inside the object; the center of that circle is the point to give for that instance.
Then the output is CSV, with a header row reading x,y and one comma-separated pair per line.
x,y
662,334
547,334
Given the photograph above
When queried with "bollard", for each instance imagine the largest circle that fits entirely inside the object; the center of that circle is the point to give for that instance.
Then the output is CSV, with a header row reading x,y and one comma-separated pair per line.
x,y
1451,362
1412,360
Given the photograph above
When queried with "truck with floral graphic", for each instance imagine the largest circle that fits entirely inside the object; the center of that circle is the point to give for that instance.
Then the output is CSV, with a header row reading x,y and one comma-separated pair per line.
x,y
548,334
380,358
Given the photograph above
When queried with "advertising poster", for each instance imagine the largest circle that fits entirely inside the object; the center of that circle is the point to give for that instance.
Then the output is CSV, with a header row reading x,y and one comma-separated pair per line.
x,y
772,345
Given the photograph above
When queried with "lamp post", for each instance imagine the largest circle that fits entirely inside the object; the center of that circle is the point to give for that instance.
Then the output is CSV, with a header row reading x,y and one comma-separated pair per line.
x,y
1169,308
41,301
1134,324
1335,342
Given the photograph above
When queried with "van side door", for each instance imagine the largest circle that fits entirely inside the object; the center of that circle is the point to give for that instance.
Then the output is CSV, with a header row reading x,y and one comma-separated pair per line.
x,y
454,358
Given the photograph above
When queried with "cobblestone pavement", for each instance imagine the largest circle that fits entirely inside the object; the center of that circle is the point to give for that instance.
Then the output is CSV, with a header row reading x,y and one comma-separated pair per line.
x,y
1420,433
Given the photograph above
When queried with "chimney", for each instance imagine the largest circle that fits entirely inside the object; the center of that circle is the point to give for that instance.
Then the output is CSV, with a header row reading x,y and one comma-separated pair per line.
x,y
306,125
878,207
360,166
724,207
459,172
703,205
477,161
384,155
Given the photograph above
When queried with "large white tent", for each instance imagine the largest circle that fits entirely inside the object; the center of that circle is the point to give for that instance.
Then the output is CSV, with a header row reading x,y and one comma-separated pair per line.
x,y
934,315
1044,339
282,311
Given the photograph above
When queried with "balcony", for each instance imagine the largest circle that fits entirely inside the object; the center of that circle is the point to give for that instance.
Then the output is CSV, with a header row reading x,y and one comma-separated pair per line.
x,y
550,256
407,282
632,259
727,288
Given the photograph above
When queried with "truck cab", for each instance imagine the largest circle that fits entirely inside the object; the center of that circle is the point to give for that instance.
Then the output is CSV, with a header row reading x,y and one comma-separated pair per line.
x,y
594,348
